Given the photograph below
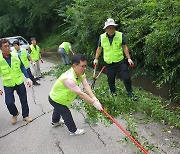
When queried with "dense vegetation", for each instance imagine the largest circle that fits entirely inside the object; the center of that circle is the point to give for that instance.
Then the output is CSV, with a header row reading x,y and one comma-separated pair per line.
x,y
151,27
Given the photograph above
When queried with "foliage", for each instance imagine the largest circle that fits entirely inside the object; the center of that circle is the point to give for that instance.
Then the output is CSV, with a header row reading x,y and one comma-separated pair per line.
x,y
29,17
152,106
151,28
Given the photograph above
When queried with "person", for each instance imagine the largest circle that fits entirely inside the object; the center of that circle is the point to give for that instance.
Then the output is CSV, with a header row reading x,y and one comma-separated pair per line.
x,y
11,72
64,49
25,58
114,47
35,54
65,90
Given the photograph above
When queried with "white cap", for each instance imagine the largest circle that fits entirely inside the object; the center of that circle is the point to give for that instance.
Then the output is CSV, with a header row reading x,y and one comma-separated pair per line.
x,y
109,22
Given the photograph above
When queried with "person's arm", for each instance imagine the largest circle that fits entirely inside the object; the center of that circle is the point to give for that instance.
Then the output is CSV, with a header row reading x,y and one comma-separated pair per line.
x,y
70,48
88,88
99,49
29,50
72,85
40,57
29,57
23,69
126,52
98,52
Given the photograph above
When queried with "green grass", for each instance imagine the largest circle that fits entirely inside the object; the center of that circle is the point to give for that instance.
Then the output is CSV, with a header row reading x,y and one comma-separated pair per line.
x,y
148,104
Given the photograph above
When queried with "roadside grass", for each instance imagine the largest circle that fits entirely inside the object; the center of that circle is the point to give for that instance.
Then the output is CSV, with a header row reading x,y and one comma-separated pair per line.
x,y
152,108
148,104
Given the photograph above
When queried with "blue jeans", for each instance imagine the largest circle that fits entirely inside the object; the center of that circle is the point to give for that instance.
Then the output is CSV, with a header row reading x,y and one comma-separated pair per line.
x,y
65,56
10,100
62,110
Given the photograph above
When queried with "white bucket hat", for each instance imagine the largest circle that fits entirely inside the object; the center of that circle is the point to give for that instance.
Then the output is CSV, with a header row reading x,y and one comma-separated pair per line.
x,y
109,22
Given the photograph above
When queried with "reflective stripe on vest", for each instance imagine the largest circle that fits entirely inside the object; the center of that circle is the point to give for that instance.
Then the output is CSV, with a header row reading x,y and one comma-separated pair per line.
x,y
13,75
113,52
61,94
34,52
65,46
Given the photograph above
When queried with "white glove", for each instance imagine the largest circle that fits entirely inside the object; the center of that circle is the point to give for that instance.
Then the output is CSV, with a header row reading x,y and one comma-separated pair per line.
x,y
131,64
29,82
97,105
95,61
95,99
34,63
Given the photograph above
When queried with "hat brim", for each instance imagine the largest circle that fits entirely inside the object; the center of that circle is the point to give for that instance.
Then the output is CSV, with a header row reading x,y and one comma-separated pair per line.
x,y
109,25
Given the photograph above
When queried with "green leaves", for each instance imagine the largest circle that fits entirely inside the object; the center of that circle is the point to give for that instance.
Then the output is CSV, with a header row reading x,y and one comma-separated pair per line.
x,y
151,28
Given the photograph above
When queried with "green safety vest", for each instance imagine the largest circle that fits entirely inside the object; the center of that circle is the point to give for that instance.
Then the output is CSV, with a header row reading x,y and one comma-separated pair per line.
x,y
13,75
65,46
61,94
24,58
34,52
113,52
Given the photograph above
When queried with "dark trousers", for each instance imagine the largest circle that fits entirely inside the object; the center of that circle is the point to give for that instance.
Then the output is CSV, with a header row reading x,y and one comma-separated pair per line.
x,y
121,68
30,75
62,110
10,100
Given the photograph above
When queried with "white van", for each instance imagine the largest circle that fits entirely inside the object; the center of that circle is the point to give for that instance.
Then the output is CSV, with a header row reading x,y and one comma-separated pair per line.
x,y
22,41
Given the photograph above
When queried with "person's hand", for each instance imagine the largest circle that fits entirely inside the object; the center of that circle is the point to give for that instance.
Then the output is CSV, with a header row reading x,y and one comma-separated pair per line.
x,y
29,82
42,61
95,99
33,63
95,61
131,64
97,105
1,92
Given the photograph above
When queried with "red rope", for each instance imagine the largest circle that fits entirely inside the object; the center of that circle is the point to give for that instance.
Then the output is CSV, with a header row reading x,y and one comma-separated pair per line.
x,y
125,132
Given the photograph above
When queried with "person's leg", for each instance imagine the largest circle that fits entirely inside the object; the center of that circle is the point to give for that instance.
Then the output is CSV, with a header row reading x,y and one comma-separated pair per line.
x,y
65,113
34,67
62,52
111,74
124,73
66,58
31,76
56,116
38,69
21,91
10,101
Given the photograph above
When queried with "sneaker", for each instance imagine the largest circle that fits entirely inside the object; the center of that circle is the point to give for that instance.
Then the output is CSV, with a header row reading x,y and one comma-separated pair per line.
x,y
36,84
14,119
60,123
27,119
78,132
132,96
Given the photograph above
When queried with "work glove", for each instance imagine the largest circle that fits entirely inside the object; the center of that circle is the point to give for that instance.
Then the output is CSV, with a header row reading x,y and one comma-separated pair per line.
x,y
95,99
28,82
97,105
1,92
33,63
95,61
131,64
